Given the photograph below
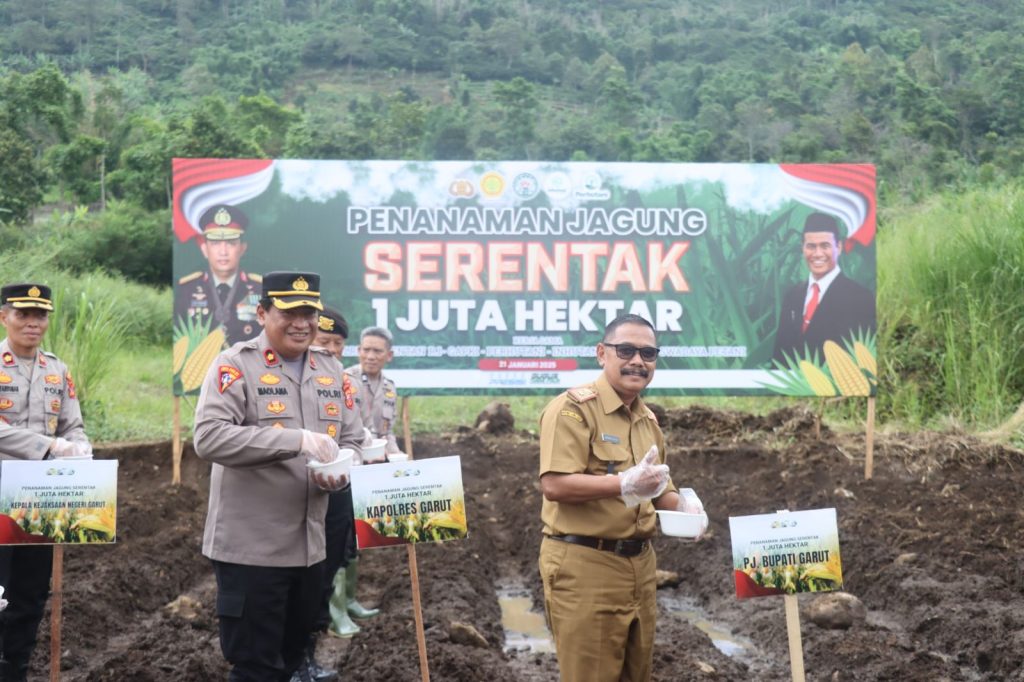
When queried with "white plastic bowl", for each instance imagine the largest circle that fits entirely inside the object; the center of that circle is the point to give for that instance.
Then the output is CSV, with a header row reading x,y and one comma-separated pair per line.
x,y
398,457
681,524
341,465
373,454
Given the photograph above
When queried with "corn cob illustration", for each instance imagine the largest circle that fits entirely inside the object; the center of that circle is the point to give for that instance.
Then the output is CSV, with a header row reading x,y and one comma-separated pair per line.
x,y
816,379
180,352
865,359
200,359
847,375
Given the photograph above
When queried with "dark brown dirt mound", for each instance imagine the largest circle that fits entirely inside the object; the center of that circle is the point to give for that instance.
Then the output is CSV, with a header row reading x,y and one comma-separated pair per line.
x,y
932,545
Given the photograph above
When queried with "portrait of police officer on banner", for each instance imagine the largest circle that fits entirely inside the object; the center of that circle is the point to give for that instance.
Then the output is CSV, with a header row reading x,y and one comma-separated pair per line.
x,y
222,295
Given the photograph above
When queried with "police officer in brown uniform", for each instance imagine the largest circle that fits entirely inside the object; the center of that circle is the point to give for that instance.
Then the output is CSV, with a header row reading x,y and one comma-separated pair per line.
x,y
40,418
267,406
376,394
602,474
223,294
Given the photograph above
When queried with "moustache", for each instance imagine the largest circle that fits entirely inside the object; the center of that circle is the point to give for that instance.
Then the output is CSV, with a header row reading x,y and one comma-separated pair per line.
x,y
635,371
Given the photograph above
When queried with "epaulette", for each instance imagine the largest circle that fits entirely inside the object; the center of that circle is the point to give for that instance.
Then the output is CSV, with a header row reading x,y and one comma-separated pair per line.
x,y
651,415
188,278
48,354
256,278
581,394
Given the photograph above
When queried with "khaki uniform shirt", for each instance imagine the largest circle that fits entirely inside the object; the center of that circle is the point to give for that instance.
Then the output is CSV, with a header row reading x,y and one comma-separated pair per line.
x,y
377,407
196,297
36,405
265,509
588,430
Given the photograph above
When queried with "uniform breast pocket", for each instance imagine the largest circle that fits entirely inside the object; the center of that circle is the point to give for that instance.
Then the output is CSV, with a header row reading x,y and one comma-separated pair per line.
x,y
608,458
330,410
12,407
273,411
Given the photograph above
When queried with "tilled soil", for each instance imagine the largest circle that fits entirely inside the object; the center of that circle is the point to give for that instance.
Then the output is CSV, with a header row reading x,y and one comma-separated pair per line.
x,y
932,545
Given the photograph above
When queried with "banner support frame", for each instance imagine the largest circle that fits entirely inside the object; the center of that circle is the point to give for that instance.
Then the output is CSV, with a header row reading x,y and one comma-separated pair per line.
x,y
414,574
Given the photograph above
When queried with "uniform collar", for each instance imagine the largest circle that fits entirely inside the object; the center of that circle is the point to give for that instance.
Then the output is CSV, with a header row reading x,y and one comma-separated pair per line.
x,y
9,359
610,400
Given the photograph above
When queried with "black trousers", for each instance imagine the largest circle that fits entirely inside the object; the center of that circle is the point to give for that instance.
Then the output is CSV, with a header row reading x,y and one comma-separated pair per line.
x,y
265,615
25,574
339,527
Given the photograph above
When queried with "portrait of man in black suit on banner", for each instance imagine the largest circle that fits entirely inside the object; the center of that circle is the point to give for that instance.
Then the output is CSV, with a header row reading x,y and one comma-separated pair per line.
x,y
828,305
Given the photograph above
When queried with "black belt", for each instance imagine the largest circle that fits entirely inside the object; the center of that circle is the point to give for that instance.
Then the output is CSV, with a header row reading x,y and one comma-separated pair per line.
x,y
620,547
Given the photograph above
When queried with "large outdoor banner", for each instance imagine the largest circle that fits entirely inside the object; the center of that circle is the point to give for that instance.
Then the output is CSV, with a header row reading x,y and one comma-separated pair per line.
x,y
499,277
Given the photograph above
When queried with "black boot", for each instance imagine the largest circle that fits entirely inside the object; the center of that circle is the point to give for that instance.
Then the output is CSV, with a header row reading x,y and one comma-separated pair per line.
x,y
13,672
318,672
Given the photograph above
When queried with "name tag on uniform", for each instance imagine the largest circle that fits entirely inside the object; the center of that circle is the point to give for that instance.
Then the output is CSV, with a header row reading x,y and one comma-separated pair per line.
x,y
608,438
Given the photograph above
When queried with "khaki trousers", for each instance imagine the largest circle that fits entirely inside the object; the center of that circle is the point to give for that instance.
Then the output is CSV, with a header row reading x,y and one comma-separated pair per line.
x,y
601,609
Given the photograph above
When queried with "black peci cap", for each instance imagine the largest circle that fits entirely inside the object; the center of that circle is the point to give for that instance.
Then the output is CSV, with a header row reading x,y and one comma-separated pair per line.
x,y
332,322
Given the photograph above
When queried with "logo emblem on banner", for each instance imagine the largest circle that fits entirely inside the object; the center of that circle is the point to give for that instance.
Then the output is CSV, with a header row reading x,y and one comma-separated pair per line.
x,y
492,185
525,185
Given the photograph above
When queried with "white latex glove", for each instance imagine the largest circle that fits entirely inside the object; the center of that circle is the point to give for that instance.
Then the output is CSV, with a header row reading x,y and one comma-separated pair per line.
x,y
367,437
61,447
689,502
318,446
645,481
83,449
329,483
3,602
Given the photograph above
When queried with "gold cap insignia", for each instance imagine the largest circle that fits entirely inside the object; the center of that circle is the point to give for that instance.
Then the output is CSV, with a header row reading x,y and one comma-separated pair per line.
x,y
34,292
222,217
300,284
326,324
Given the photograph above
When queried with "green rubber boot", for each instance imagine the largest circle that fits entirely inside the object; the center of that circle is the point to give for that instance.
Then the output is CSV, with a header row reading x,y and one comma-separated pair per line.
x,y
341,625
355,609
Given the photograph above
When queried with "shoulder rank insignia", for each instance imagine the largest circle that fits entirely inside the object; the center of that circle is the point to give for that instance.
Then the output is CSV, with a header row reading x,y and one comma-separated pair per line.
x,y
270,379
270,357
582,394
256,278
227,375
188,278
8,358
651,415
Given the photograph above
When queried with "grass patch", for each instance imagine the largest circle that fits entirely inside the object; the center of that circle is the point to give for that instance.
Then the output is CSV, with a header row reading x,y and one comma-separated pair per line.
x,y
134,402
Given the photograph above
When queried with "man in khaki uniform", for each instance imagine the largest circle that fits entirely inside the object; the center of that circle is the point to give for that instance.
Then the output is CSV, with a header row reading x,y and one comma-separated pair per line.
x,y
376,394
267,407
602,474
40,418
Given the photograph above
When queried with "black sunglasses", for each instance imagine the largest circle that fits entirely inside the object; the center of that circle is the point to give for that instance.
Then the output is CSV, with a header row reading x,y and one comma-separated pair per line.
x,y
626,351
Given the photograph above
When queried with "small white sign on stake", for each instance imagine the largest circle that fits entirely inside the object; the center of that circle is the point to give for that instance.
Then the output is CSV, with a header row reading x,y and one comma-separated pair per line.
x,y
787,553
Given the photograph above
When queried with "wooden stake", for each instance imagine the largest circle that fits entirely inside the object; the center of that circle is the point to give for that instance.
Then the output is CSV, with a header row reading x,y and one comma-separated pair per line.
x,y
176,446
414,574
56,602
869,458
796,650
817,420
